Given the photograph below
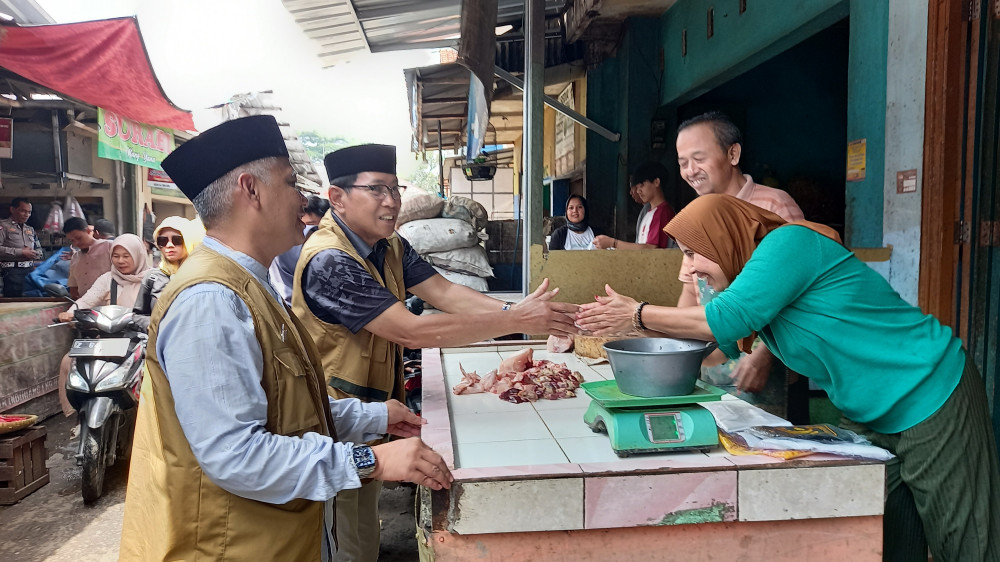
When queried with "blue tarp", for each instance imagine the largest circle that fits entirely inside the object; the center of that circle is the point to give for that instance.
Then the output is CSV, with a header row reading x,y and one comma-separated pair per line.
x,y
52,270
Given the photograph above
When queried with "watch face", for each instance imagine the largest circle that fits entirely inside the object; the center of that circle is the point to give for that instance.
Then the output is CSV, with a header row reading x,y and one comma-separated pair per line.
x,y
364,457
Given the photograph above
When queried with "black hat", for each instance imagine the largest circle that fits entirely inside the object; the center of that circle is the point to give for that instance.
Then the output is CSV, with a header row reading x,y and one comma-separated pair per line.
x,y
212,154
353,160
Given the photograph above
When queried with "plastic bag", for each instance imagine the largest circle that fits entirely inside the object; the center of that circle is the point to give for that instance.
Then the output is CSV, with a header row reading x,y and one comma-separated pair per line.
x,y
735,445
54,221
72,208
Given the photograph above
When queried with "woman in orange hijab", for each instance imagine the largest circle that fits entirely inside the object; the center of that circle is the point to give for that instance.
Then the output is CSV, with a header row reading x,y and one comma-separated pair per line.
x,y
898,376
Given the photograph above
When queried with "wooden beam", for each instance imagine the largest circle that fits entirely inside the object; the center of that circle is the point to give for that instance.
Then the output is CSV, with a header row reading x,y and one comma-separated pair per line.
x,y
943,158
444,101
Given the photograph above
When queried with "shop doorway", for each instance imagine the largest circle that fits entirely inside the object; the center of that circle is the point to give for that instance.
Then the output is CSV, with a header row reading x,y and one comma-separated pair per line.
x,y
792,110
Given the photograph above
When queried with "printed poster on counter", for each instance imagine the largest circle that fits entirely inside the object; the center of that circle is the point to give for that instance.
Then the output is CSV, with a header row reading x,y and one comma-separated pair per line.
x,y
6,137
121,138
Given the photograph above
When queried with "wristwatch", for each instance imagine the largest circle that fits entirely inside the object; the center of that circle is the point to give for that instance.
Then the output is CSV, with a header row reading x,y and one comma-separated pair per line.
x,y
363,459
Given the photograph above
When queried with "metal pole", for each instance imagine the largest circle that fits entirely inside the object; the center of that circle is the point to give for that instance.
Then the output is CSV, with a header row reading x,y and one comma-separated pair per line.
x,y
440,162
531,179
57,149
554,104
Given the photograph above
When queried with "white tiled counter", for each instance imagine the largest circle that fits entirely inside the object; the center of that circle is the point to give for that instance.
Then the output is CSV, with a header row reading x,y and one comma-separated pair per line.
x,y
533,482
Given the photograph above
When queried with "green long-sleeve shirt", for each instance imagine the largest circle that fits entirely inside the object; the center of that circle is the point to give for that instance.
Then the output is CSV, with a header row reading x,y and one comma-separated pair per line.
x,y
827,315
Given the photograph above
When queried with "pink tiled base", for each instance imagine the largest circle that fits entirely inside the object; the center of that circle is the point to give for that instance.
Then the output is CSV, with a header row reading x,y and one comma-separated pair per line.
x,y
659,499
854,539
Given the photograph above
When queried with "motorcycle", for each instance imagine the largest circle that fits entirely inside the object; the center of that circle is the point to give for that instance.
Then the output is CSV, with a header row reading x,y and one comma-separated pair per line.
x,y
103,386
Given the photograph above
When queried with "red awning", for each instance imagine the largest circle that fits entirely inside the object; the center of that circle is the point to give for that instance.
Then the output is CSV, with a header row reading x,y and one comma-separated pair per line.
x,y
102,63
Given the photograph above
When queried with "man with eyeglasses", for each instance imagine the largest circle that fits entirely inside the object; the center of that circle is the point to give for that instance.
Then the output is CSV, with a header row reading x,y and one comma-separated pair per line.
x,y
237,447
349,286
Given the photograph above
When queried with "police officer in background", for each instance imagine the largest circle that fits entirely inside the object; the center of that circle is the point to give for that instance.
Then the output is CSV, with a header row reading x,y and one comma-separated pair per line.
x,y
19,247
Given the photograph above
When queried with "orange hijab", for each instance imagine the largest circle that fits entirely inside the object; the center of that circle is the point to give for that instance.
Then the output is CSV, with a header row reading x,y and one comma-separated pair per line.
x,y
727,230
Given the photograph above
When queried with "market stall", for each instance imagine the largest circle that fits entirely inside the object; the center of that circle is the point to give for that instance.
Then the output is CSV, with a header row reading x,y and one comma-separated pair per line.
x,y
30,354
533,482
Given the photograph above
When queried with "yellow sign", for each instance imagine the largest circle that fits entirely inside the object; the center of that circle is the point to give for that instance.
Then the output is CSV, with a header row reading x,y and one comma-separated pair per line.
x,y
856,151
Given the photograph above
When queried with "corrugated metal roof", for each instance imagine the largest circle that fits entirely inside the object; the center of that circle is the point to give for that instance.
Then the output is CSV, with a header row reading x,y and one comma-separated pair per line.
x,y
25,12
343,27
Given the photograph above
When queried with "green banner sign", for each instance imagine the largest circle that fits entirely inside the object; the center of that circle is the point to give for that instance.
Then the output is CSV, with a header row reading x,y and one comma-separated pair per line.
x,y
137,143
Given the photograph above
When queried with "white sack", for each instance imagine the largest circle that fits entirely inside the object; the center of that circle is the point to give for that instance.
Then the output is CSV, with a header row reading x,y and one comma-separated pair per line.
x,y
471,261
470,281
417,204
438,235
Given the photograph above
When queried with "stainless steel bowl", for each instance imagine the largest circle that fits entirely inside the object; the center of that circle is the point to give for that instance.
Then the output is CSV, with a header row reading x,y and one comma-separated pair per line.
x,y
654,367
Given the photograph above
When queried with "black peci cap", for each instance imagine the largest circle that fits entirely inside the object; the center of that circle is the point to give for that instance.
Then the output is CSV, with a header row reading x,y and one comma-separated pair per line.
x,y
209,156
362,158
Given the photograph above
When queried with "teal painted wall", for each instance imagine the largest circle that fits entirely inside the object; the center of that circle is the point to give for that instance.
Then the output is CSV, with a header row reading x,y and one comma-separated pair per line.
x,y
742,41
866,110
739,42
622,94
605,177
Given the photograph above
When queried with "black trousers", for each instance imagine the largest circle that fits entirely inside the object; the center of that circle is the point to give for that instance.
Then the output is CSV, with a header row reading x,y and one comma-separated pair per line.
x,y
13,280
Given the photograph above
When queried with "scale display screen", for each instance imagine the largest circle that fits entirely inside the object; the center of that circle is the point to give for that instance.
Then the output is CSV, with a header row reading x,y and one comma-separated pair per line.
x,y
664,427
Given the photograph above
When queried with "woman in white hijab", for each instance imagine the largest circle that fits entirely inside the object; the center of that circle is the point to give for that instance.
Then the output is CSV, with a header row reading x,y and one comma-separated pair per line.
x,y
119,286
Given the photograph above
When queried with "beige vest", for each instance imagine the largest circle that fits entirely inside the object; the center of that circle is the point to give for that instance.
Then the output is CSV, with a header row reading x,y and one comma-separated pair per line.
x,y
360,365
172,510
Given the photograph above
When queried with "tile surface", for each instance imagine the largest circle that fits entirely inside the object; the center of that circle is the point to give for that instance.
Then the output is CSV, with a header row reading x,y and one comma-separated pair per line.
x,y
510,507
510,453
498,426
537,462
566,423
809,493
659,499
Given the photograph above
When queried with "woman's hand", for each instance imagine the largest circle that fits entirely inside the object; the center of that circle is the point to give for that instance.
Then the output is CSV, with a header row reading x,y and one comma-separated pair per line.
x,y
65,316
609,315
752,372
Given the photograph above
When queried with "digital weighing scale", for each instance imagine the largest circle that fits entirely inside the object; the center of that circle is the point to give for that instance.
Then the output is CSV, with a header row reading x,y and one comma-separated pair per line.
x,y
652,425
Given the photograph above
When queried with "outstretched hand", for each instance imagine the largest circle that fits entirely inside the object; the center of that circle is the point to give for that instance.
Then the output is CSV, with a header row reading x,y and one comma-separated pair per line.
x,y
607,315
411,460
541,315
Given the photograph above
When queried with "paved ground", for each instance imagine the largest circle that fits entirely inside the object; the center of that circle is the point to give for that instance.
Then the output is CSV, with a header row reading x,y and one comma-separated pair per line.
x,y
53,524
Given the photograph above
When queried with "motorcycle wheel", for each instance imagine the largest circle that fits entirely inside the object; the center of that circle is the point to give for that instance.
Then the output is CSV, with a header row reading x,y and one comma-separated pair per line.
x,y
94,456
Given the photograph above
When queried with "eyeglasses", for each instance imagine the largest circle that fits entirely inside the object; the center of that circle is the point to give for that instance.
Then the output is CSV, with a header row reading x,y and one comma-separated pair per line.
x,y
174,239
380,190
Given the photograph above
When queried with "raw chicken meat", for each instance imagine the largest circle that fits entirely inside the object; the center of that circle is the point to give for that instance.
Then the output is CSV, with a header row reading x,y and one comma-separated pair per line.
x,y
559,344
516,363
519,379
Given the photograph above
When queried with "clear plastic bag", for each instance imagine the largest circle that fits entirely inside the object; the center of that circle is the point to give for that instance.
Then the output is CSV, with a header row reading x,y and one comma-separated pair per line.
x,y
55,219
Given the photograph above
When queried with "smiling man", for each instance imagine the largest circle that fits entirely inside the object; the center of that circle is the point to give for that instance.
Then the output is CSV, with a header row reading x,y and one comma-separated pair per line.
x,y
709,147
349,286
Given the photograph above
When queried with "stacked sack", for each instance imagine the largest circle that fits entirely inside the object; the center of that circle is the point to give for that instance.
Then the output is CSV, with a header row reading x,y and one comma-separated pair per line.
x,y
448,233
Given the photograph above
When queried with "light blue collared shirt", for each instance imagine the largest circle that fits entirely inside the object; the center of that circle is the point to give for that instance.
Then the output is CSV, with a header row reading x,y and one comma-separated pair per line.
x,y
213,362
